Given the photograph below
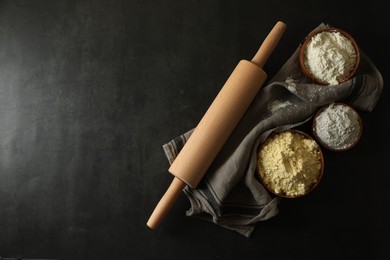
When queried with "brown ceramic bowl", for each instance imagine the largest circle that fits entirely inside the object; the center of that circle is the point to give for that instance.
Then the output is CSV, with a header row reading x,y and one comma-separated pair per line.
x,y
326,145
314,185
303,50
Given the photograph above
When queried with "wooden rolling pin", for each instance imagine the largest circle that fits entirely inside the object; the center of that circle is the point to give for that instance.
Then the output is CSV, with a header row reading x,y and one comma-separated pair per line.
x,y
217,124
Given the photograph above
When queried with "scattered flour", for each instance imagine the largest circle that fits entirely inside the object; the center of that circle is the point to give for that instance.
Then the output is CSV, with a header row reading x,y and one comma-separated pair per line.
x,y
278,104
291,82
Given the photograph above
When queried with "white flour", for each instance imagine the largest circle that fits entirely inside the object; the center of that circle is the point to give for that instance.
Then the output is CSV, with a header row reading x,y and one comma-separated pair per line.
x,y
278,104
291,81
330,56
337,126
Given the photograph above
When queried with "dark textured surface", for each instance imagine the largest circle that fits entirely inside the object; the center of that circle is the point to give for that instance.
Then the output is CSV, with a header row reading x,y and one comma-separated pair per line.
x,y
90,90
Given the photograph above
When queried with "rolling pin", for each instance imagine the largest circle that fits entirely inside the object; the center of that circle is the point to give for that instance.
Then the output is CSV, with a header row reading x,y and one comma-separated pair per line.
x,y
217,124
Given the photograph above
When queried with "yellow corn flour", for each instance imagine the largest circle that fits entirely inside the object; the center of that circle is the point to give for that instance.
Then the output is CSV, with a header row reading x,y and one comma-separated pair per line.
x,y
289,163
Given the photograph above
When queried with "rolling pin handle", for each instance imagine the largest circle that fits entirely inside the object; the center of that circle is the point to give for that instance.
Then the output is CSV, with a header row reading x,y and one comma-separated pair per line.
x,y
269,44
166,203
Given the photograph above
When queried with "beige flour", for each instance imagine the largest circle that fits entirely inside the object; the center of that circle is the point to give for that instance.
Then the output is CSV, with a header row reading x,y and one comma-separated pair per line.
x,y
289,163
330,57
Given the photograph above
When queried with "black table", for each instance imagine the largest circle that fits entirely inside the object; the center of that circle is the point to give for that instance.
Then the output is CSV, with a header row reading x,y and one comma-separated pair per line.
x,y
91,90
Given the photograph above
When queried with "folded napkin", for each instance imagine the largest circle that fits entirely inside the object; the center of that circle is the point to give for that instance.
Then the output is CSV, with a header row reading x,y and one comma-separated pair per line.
x,y
229,195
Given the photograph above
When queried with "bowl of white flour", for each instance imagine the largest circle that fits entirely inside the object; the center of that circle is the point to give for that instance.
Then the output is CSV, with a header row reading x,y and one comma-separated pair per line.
x,y
329,56
337,127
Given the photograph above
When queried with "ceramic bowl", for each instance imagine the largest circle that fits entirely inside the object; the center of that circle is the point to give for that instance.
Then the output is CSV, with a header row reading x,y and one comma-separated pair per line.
x,y
307,73
322,143
313,186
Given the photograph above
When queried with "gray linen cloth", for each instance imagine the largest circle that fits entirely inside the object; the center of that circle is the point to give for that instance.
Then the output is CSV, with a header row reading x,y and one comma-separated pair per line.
x,y
229,195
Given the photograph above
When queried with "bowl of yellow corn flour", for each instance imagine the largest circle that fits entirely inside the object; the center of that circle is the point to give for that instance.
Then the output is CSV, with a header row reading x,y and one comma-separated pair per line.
x,y
290,164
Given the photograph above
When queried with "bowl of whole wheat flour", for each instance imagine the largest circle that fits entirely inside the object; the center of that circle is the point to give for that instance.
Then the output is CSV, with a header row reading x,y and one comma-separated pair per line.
x,y
329,56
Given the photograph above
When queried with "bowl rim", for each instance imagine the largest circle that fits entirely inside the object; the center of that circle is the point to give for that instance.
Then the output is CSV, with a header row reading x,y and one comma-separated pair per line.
x,y
322,143
313,186
303,46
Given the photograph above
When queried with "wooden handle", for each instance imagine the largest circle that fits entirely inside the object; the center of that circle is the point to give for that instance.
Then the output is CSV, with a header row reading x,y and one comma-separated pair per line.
x,y
269,44
166,203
